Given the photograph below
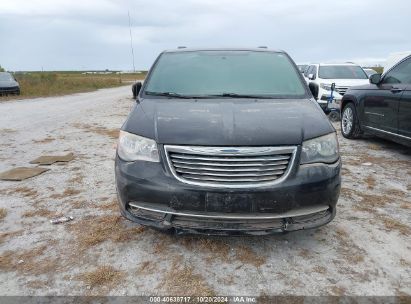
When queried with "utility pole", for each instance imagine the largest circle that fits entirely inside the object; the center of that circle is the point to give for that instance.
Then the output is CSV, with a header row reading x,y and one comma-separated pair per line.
x,y
131,41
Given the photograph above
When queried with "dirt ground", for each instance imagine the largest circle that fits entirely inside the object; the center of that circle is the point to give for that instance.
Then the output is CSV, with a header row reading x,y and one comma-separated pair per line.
x,y
366,250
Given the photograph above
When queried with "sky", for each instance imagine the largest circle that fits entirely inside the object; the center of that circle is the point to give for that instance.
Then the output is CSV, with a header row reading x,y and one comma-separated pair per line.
x,y
94,34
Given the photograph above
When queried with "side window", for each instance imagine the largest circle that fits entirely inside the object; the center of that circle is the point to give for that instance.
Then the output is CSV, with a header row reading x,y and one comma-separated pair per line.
x,y
399,74
310,70
314,71
307,71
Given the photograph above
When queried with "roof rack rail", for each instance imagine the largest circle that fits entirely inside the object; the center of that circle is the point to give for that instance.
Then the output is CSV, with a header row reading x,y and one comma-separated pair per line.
x,y
181,47
263,47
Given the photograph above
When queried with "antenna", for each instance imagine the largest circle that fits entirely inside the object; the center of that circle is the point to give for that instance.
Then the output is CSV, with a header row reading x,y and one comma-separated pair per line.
x,y
131,41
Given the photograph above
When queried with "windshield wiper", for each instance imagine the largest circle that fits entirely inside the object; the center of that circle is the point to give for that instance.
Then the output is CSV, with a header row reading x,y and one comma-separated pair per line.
x,y
235,95
170,94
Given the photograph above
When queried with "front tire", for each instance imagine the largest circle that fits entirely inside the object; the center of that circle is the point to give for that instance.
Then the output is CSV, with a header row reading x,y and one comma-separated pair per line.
x,y
350,126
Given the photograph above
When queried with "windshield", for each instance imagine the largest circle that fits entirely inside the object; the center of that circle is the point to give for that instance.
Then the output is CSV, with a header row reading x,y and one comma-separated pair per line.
x,y
6,77
341,72
205,73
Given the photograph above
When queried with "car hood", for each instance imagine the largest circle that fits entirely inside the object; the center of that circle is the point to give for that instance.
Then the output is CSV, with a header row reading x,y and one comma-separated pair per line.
x,y
345,82
8,84
228,122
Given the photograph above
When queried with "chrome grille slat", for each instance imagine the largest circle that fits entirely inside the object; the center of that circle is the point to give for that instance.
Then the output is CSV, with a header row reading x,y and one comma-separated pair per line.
x,y
266,173
229,158
341,90
233,167
236,164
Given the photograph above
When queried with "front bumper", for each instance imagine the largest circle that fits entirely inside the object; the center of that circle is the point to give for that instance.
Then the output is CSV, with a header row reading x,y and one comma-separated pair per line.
x,y
9,90
150,195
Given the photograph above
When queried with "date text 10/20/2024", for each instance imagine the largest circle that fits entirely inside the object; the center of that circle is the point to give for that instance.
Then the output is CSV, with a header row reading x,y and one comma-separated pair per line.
x,y
205,299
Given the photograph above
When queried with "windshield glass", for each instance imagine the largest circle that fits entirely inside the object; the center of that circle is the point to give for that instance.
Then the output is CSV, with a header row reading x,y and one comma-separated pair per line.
x,y
204,73
341,72
6,77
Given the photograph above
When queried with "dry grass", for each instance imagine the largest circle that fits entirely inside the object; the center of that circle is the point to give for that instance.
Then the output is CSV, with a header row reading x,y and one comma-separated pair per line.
x,y
37,284
405,263
7,130
41,84
181,277
320,269
392,224
370,202
374,147
305,253
41,212
359,159
24,191
247,256
104,228
3,213
67,193
363,201
215,249
102,276
44,140
396,192
112,133
110,206
147,267
77,204
337,291
77,179
405,205
4,236
30,261
370,181
347,248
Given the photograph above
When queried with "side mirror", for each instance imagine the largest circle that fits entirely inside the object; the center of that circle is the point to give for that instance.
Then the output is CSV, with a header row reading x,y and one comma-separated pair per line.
x,y
375,78
314,89
311,76
136,89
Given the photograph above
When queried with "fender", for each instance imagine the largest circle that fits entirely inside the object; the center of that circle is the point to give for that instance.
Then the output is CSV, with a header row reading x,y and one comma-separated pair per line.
x,y
358,107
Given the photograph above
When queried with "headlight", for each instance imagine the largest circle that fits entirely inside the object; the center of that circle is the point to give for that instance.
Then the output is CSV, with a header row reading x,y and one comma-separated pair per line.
x,y
322,149
132,147
325,86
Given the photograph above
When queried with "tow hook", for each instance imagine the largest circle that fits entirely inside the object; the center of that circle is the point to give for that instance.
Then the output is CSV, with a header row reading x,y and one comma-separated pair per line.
x,y
168,219
286,222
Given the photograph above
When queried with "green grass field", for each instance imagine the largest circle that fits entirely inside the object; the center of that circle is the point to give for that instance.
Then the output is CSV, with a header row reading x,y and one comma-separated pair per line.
x,y
42,84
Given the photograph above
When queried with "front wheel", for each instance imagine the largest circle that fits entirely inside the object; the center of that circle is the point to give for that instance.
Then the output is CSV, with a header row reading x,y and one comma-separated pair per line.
x,y
350,127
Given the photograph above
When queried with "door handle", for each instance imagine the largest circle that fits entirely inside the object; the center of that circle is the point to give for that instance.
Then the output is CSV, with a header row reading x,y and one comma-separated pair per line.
x,y
396,90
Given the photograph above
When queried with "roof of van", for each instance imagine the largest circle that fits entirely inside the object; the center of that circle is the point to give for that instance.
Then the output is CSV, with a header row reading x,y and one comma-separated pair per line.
x,y
335,63
395,58
256,49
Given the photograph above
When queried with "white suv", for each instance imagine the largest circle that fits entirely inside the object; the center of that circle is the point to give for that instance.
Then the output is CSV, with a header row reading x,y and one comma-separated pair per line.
x,y
320,76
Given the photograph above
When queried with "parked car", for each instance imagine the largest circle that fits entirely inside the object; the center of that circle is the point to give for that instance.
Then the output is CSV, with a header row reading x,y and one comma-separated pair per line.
x,y
383,107
302,67
321,76
370,72
8,84
227,141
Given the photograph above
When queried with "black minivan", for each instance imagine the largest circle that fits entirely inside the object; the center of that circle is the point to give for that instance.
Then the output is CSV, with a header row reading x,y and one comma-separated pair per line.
x,y
227,141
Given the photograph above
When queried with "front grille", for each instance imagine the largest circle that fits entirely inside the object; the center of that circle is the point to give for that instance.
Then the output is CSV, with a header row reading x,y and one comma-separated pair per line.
x,y
230,166
341,90
9,89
